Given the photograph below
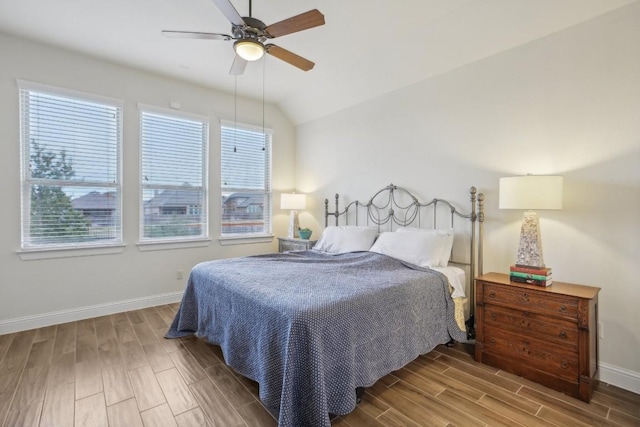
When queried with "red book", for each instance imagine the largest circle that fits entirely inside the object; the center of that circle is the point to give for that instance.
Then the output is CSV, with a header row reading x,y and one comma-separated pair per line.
x,y
543,271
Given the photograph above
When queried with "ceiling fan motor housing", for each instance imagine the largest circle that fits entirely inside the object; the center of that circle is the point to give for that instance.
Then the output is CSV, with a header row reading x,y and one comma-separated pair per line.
x,y
254,29
255,23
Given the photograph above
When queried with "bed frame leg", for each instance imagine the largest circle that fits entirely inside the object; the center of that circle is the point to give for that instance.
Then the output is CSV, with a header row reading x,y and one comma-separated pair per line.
x,y
359,394
471,328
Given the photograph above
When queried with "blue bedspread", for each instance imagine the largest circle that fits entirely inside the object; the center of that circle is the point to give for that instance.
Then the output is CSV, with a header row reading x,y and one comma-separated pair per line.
x,y
310,327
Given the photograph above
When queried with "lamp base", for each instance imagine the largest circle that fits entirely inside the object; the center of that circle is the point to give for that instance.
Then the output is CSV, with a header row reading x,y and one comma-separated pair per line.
x,y
294,224
530,246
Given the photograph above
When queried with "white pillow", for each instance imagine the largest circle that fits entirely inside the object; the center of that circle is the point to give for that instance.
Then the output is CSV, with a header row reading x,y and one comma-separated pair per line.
x,y
445,241
422,249
346,238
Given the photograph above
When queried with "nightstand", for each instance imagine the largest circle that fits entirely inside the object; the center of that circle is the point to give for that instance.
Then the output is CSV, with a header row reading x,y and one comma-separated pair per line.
x,y
547,335
286,244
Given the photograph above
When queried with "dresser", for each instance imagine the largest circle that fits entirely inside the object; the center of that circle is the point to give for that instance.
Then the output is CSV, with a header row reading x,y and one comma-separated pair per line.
x,y
547,335
286,244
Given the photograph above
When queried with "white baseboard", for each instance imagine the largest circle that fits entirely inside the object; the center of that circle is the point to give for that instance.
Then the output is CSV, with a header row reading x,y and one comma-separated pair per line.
x,y
619,377
64,316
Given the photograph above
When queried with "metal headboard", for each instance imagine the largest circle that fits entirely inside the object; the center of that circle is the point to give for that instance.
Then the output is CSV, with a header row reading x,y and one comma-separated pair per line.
x,y
396,206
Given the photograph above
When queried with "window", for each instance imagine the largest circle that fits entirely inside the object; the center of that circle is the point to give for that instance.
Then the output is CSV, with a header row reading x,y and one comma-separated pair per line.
x,y
173,158
245,180
71,186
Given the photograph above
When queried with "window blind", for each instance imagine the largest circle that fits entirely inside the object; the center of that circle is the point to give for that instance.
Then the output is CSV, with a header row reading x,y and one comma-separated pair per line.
x,y
71,189
173,177
245,180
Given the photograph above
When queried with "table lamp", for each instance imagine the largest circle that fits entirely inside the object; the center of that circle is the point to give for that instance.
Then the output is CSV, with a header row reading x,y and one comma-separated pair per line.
x,y
293,202
530,192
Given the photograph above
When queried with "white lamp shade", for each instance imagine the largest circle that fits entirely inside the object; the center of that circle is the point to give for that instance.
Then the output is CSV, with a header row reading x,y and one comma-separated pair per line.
x,y
293,201
533,192
248,49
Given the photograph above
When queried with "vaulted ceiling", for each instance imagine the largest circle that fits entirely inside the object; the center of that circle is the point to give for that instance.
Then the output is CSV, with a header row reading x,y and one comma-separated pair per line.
x,y
367,47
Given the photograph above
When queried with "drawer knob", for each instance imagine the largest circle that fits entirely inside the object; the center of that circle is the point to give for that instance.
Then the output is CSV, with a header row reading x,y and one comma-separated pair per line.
x,y
492,341
564,364
563,308
492,294
563,334
494,316
525,323
525,342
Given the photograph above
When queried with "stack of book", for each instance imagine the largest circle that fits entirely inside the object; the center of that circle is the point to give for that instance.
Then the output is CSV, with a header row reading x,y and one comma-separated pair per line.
x,y
531,275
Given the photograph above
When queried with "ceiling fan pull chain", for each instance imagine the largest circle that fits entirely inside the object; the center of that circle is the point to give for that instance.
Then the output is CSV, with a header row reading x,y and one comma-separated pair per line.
x,y
235,111
264,70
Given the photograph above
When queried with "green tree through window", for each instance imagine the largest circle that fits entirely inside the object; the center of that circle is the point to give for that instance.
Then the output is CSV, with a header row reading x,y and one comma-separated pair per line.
x,y
71,168
52,213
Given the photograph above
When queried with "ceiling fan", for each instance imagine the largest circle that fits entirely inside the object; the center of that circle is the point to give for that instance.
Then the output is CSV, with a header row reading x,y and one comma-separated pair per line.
x,y
251,34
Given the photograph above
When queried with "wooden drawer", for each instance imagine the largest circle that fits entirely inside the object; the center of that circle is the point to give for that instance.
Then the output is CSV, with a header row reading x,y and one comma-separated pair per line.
x,y
531,300
534,353
547,335
524,323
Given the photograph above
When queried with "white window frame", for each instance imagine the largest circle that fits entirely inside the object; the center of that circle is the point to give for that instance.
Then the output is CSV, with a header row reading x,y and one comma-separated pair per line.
x,y
30,251
174,242
267,235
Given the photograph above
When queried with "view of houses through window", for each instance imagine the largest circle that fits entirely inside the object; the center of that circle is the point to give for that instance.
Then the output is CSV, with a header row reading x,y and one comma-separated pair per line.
x,y
245,172
173,175
71,177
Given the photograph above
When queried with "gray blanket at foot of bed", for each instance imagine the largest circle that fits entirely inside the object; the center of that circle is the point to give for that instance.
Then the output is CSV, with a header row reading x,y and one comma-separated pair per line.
x,y
311,327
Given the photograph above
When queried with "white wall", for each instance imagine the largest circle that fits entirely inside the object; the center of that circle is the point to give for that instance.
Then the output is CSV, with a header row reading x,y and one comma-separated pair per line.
x,y
42,287
567,104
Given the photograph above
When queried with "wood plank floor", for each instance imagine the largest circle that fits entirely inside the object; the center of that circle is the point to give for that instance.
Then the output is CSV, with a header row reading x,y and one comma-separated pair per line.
x,y
118,370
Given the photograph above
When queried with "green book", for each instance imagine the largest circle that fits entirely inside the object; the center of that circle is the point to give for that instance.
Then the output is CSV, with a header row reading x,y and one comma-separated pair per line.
x,y
530,276
531,281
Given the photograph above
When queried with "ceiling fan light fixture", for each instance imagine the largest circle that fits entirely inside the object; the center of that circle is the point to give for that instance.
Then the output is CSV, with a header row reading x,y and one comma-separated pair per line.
x,y
248,49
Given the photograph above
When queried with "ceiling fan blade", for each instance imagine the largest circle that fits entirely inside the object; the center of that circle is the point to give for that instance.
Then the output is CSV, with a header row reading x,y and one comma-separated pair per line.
x,y
238,66
229,11
195,35
304,21
290,57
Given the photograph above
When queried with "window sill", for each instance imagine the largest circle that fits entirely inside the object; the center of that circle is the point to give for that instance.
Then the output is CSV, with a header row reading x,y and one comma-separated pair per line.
x,y
243,240
172,244
51,253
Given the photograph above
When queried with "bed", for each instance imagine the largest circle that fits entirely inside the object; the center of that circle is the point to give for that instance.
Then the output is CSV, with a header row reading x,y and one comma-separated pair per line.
x,y
312,327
